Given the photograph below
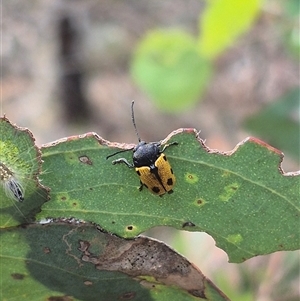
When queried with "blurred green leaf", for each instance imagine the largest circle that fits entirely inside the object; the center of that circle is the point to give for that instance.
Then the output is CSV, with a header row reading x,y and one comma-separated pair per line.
x,y
75,261
20,165
242,200
167,66
291,28
293,41
278,123
292,7
240,291
222,22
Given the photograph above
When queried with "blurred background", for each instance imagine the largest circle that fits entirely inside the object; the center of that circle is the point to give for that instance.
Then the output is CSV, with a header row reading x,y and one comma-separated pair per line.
x,y
70,67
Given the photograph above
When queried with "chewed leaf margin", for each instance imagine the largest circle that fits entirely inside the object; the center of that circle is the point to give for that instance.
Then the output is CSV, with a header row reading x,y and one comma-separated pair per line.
x,y
242,198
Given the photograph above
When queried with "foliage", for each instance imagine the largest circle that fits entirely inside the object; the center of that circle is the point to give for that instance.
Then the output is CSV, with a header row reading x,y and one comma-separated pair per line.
x,y
241,198
278,123
167,65
174,68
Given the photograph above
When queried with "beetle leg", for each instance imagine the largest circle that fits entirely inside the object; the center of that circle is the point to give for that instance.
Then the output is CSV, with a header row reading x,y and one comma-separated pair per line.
x,y
167,145
141,187
122,160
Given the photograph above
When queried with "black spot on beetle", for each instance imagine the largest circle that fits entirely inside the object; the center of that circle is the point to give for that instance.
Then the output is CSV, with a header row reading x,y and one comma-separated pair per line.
x,y
138,172
170,181
155,189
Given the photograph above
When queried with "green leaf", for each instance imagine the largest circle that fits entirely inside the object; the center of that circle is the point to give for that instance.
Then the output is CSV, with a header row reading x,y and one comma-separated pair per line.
x,y
241,199
75,261
222,22
290,28
278,123
291,8
21,194
167,66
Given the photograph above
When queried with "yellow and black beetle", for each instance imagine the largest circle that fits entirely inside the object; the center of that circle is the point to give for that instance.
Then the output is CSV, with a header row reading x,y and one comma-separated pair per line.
x,y
150,163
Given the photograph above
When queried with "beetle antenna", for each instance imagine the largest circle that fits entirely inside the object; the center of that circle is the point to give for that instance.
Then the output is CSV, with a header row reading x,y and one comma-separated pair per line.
x,y
118,152
133,121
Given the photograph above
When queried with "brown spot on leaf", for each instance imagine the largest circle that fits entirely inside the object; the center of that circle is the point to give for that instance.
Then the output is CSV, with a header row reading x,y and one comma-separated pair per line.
x,y
60,298
199,294
85,160
17,276
127,296
46,250
143,259
144,256
84,245
88,283
199,202
129,228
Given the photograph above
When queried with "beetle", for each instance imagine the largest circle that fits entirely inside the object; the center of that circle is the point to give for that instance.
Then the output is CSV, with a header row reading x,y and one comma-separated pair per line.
x,y
150,163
